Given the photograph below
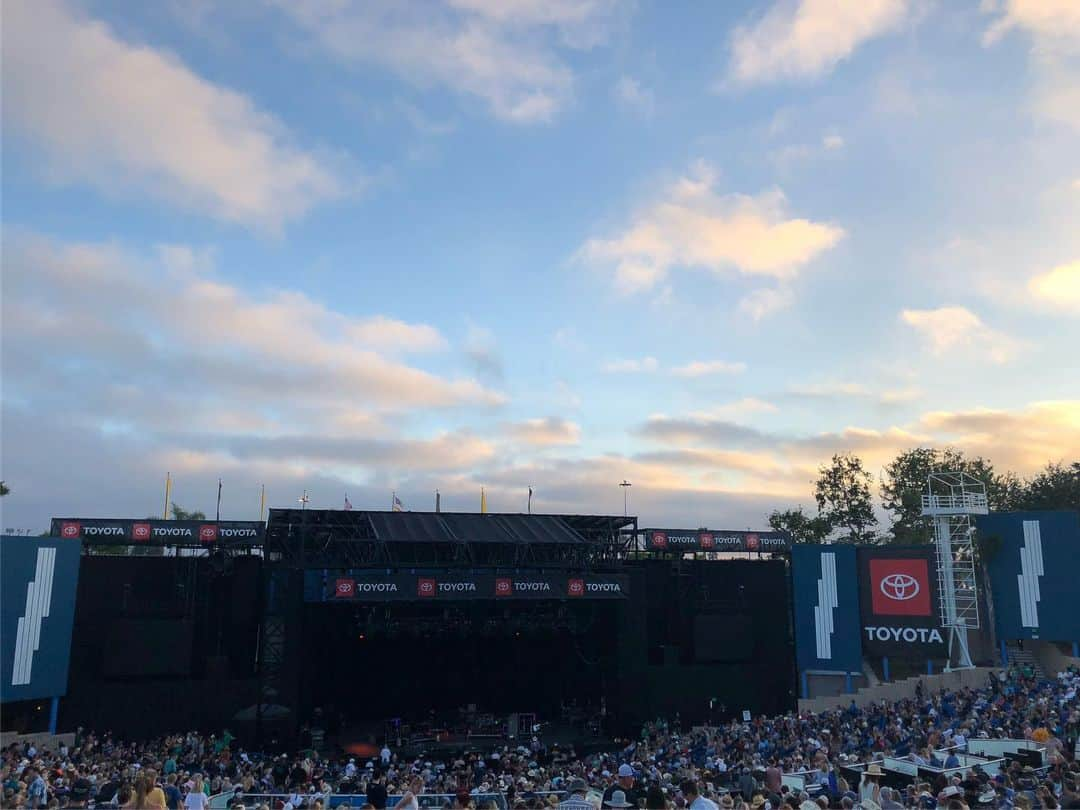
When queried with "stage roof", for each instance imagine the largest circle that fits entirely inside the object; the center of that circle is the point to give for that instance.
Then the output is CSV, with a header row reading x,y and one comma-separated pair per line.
x,y
455,527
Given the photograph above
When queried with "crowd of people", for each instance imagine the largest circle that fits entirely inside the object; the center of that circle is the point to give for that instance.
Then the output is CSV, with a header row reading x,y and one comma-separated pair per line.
x,y
735,766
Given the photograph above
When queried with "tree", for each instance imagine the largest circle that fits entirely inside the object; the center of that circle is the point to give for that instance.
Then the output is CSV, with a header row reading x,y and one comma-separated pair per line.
x,y
1057,486
802,527
4,488
903,482
843,497
182,514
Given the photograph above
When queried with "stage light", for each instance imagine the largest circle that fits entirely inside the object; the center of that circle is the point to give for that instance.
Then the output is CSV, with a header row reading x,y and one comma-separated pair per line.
x,y
361,636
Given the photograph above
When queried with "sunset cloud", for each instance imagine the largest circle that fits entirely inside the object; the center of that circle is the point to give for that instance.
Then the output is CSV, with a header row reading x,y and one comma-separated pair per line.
x,y
691,226
805,39
131,120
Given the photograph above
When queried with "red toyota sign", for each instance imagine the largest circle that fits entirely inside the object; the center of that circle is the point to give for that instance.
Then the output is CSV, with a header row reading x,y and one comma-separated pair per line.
x,y
706,540
140,532
344,588
659,540
208,533
900,587
70,529
752,542
575,587
425,587
504,586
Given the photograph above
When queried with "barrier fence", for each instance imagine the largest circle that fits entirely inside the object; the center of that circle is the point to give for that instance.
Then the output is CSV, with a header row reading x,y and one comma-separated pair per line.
x,y
221,801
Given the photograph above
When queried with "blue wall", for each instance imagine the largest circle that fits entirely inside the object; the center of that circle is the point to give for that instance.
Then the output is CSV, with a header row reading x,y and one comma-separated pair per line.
x,y
826,586
37,609
1035,574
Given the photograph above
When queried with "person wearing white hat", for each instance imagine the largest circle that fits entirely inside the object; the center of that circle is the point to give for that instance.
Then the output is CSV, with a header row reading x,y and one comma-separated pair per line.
x,y
625,783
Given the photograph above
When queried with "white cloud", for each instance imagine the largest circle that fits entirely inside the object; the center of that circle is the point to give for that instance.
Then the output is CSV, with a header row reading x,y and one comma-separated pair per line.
x,y
832,142
1054,28
646,365
808,38
705,368
630,93
950,329
117,321
691,226
127,119
548,432
388,334
741,407
1059,287
501,53
853,390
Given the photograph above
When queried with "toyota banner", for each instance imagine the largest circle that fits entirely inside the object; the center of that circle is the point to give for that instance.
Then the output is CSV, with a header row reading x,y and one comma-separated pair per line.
x,y
707,540
367,586
898,598
107,531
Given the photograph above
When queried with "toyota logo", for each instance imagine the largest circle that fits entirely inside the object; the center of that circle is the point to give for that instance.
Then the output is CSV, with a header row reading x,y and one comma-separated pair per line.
x,y
208,533
751,542
706,540
576,587
503,587
659,540
344,587
140,532
425,587
899,587
70,529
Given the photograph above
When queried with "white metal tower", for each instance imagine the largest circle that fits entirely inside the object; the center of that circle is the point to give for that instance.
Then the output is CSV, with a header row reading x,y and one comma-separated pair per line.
x,y
951,499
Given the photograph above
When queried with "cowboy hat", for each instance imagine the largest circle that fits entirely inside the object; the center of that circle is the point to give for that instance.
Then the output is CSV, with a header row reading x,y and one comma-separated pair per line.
x,y
874,770
618,799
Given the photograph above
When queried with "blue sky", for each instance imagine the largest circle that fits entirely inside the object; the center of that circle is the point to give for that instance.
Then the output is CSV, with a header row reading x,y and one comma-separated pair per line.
x,y
365,247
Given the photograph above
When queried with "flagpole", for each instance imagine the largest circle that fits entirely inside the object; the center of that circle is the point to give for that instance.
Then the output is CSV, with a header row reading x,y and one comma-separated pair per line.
x,y
262,504
218,515
168,492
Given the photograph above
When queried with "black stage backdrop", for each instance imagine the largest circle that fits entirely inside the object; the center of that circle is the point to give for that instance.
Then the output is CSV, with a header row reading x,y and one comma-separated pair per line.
x,y
672,656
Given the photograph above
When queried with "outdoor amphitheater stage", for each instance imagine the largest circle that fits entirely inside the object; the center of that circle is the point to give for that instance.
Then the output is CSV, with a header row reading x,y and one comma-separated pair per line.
x,y
341,619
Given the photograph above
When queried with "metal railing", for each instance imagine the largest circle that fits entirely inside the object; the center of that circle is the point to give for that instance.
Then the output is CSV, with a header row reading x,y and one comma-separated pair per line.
x,y
220,801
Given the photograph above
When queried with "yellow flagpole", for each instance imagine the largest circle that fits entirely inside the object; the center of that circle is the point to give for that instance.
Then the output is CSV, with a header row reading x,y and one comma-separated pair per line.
x,y
483,502
168,494
262,504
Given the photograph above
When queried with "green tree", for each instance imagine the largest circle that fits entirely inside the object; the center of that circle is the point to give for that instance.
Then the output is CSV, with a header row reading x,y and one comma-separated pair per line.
x,y
183,514
1056,486
842,492
903,482
802,527
4,488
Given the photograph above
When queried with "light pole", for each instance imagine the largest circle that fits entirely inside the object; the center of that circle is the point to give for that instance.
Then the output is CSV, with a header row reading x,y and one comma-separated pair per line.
x,y
625,493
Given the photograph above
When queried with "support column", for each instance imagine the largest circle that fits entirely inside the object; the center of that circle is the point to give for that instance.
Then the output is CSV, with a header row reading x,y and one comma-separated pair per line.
x,y
885,668
54,712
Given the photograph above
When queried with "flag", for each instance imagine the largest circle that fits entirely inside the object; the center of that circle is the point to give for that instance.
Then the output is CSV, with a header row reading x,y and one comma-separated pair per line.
x,y
530,500
483,502
348,505
397,505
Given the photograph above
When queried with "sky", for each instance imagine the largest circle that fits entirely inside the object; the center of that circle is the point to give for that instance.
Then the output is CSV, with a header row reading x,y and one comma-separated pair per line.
x,y
375,247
